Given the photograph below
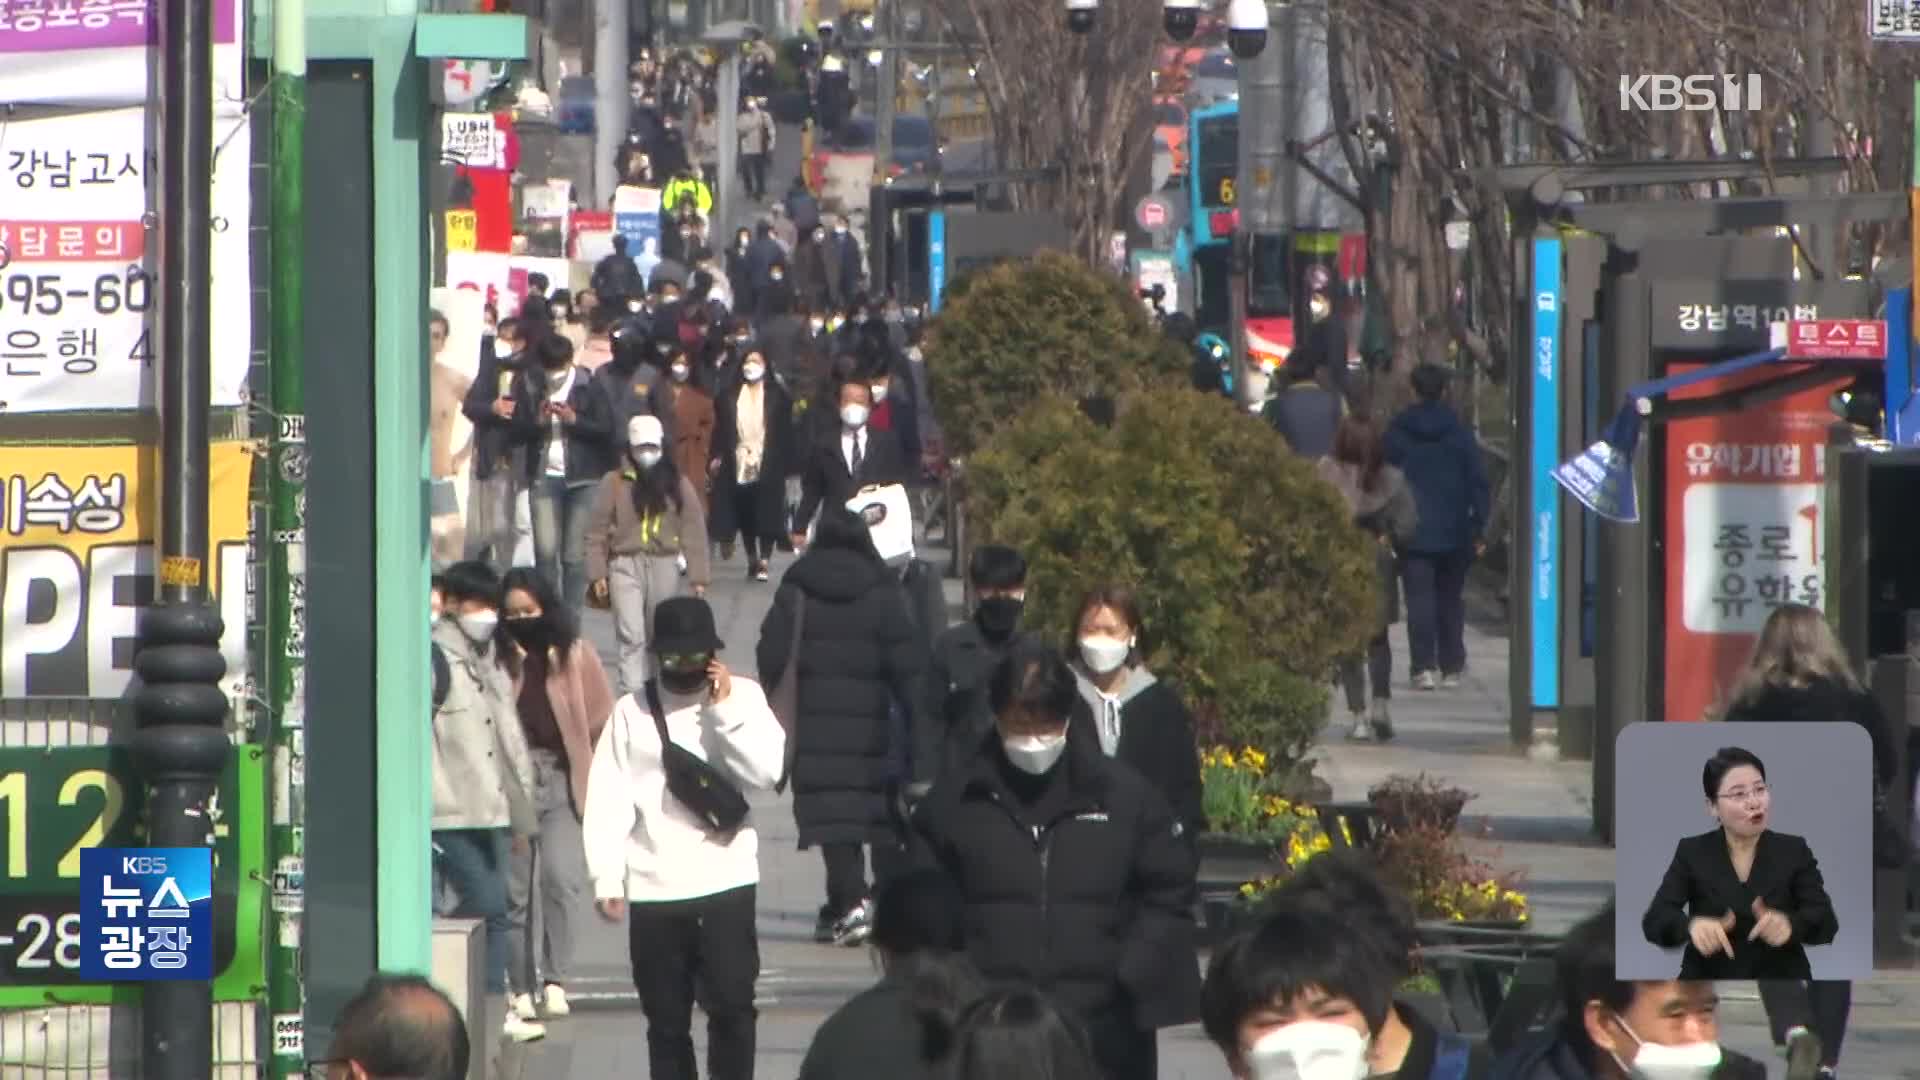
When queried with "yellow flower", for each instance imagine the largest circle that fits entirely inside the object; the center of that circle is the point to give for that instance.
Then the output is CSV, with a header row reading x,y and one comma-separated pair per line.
x,y
1254,759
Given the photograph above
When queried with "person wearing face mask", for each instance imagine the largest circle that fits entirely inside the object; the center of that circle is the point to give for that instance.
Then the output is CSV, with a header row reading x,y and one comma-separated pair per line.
x,y
681,397
569,435
1612,1029
894,411
965,655
483,810
848,264
500,392
646,518
1301,995
741,278
1345,885
628,382
1078,879
757,138
814,274
840,627
752,455
1139,719
686,891
563,700
616,278
846,461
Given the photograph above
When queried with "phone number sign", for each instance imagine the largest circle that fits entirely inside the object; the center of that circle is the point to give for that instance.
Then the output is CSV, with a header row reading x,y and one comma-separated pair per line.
x,y
57,803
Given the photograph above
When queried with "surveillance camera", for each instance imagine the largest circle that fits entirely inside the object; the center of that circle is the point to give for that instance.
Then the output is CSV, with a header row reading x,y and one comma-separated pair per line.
x,y
1182,18
1246,27
1080,15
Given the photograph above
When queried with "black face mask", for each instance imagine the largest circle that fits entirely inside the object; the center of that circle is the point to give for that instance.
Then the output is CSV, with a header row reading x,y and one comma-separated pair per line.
x,y
998,616
683,682
533,634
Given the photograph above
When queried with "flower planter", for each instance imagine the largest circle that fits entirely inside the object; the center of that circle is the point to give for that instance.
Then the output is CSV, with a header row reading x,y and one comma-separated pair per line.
x,y
1221,916
1227,860
1212,845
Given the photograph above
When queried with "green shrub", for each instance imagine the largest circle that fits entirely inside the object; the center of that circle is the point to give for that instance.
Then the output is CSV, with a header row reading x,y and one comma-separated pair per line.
x,y
1025,328
1251,578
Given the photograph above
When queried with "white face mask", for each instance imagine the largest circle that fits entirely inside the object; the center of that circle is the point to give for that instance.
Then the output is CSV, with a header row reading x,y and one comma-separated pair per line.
x,y
1657,1061
879,393
753,371
479,625
1104,654
853,415
680,372
1034,753
559,377
647,458
1309,1050
502,349
634,306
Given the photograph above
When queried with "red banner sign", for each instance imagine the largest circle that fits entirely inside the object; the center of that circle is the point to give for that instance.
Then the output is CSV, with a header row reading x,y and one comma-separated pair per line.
x,y
1742,530
1837,339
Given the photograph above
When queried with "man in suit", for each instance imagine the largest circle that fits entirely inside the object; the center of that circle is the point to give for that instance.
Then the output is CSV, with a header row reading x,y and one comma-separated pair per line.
x,y
837,467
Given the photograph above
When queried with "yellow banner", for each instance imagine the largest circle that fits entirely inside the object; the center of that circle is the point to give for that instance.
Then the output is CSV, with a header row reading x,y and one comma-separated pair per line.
x,y
77,562
463,230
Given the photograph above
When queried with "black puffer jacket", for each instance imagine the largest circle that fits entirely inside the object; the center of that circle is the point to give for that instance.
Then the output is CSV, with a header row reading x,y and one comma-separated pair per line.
x,y
1085,890
1824,699
859,653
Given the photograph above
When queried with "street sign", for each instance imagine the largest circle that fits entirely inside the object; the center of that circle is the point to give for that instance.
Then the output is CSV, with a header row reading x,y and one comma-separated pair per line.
x,y
1151,214
1836,339
1893,21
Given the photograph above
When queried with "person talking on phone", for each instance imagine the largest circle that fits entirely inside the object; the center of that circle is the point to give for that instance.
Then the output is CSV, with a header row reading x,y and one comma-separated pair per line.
x,y
670,842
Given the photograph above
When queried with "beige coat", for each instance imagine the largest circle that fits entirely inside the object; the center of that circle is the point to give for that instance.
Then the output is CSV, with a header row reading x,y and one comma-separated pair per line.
x,y
615,528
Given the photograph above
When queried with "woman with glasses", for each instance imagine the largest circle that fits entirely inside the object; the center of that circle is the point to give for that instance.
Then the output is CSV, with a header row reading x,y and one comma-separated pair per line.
x,y
1742,900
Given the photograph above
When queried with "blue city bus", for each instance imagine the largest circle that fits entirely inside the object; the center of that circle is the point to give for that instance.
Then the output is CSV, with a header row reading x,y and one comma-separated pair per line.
x,y
1201,248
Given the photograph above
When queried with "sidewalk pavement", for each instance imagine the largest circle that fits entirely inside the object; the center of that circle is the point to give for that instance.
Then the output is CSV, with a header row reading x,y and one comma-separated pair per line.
x,y
1538,812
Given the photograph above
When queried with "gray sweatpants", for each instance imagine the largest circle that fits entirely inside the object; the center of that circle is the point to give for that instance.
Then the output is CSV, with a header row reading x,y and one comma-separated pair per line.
x,y
490,531
557,859
636,584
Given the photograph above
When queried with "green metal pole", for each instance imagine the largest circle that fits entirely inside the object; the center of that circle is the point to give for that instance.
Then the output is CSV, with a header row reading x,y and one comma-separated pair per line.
x,y
286,569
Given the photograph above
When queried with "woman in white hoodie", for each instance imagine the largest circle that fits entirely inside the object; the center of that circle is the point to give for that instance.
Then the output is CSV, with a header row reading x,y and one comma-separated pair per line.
x,y
686,890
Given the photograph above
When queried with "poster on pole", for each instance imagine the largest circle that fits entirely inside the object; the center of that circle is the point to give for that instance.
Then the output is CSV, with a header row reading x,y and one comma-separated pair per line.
x,y
475,140
455,363
636,216
1744,499
543,217
77,563
97,52
591,235
79,299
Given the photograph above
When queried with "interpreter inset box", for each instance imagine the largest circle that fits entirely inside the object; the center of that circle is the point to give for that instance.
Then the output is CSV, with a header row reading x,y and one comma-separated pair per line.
x,y
1743,851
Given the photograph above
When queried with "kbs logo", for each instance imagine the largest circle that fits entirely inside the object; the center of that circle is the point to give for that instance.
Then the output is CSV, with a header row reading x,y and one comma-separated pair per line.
x,y
1690,93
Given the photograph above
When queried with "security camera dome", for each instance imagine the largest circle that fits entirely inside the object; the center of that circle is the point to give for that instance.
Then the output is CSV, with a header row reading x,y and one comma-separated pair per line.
x,y
1080,15
1182,18
1246,27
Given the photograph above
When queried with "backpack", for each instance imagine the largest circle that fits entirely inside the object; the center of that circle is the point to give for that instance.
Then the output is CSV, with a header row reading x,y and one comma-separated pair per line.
x,y
442,676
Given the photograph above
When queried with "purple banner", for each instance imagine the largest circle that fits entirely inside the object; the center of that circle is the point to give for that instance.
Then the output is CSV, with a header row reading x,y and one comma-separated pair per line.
x,y
55,26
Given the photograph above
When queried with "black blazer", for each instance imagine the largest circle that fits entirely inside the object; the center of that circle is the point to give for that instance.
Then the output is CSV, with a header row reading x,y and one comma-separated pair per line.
x,y
824,477
1700,882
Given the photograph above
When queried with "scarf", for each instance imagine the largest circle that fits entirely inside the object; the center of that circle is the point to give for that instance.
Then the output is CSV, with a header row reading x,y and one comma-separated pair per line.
x,y
750,418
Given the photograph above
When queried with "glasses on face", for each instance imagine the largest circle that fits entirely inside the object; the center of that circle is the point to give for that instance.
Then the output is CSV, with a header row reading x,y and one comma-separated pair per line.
x,y
1755,794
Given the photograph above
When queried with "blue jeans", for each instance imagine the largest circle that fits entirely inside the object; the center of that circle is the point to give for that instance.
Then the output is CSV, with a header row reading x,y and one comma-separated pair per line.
x,y
474,862
560,511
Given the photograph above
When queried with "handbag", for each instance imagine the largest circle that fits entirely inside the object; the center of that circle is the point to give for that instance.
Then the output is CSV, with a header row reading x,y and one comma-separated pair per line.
x,y
693,780
783,695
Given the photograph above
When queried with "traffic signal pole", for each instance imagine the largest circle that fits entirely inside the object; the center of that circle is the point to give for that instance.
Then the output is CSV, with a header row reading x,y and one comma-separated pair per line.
x,y
286,570
180,746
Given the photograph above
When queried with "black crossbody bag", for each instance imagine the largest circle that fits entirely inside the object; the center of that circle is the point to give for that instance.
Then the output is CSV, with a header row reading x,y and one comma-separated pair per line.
x,y
694,781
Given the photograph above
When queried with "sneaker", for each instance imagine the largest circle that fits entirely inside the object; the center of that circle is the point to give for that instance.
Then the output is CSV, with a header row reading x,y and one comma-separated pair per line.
x,y
1450,682
681,561
1803,1055
823,925
522,1030
855,926
1362,729
760,573
1425,680
521,1005
556,1001
1382,721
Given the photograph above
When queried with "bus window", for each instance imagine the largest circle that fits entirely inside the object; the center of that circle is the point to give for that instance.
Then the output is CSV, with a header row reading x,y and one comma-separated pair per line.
x,y
1211,309
1216,159
1268,293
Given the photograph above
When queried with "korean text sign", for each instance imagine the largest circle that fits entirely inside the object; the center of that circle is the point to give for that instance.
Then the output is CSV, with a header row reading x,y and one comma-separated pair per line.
x,y
146,914
1744,499
77,562
79,286
59,804
98,52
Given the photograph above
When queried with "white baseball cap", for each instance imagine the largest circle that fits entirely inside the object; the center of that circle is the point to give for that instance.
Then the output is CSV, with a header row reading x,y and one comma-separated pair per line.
x,y
645,431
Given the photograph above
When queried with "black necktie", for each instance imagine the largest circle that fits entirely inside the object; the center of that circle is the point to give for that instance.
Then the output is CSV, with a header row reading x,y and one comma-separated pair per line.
x,y
858,457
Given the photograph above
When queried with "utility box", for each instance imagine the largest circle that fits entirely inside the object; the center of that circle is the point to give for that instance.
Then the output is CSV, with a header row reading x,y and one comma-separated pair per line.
x,y
460,971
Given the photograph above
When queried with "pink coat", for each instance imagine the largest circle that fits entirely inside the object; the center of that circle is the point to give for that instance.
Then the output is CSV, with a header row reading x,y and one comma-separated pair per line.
x,y
582,699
